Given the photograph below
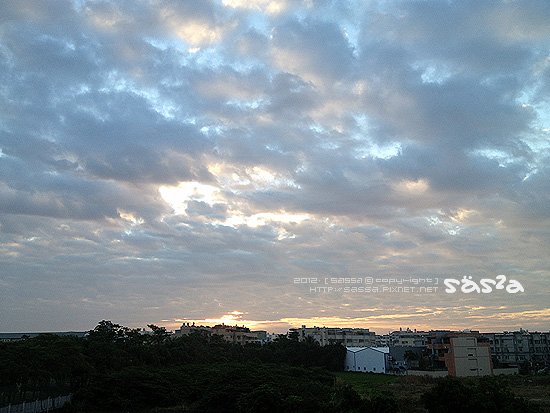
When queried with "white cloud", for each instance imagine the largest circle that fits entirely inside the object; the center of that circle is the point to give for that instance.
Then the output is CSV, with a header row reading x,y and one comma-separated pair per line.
x,y
206,152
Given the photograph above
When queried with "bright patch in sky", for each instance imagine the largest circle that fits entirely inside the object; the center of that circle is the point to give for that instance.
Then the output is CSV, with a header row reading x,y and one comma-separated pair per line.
x,y
503,158
265,218
130,217
376,151
413,187
179,196
267,6
433,72
241,180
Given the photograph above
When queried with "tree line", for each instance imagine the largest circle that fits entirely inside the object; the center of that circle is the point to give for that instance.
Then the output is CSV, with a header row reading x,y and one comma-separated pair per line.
x,y
116,368
119,369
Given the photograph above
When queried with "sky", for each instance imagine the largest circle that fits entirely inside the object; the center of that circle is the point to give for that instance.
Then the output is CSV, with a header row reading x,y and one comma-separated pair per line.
x,y
166,162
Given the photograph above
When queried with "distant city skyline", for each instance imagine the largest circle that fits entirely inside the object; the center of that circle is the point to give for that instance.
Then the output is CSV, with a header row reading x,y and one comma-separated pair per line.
x,y
410,330
163,162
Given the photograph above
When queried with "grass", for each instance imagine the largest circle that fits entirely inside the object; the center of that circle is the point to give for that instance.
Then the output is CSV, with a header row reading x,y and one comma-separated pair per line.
x,y
366,383
408,389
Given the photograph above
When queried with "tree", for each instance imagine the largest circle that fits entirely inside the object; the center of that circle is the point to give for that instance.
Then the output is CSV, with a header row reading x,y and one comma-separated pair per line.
x,y
159,334
484,395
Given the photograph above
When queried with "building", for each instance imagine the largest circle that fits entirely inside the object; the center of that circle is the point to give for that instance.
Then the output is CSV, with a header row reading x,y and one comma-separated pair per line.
x,y
409,338
382,340
233,334
520,347
351,337
367,359
462,354
468,357
406,357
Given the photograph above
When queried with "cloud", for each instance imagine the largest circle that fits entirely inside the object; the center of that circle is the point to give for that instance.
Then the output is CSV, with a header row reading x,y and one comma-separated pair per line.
x,y
316,50
185,161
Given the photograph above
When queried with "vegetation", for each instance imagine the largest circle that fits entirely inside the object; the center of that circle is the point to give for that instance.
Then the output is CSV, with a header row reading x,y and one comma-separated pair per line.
x,y
367,384
117,369
120,369
483,395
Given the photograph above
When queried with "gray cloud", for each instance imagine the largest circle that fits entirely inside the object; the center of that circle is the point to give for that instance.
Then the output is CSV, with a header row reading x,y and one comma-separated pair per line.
x,y
168,161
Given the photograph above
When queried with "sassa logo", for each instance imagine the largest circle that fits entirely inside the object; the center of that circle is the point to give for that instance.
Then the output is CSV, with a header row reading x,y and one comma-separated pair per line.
x,y
485,286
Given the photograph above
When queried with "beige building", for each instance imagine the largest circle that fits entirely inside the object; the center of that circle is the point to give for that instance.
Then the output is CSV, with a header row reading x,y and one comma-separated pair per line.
x,y
467,357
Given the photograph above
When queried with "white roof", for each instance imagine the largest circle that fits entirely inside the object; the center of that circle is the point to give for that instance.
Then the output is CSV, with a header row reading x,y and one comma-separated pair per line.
x,y
385,350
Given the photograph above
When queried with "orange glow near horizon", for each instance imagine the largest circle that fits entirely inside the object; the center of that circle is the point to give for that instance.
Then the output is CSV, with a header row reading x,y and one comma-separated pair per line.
x,y
383,323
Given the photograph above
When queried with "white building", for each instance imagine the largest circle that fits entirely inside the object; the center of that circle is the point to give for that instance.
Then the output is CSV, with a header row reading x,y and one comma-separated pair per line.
x,y
367,359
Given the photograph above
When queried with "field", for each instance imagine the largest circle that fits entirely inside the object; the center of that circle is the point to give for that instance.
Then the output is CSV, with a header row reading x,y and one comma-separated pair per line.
x,y
408,389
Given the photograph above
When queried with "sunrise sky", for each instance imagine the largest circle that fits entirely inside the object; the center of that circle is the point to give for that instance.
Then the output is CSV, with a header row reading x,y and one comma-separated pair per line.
x,y
164,162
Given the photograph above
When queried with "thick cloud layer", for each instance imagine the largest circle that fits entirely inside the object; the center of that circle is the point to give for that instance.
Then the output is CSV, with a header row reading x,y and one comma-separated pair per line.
x,y
178,161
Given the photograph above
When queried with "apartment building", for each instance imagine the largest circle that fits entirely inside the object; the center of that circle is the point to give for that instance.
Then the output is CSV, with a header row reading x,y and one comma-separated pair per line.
x,y
468,357
405,338
519,347
350,337
233,334
462,354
